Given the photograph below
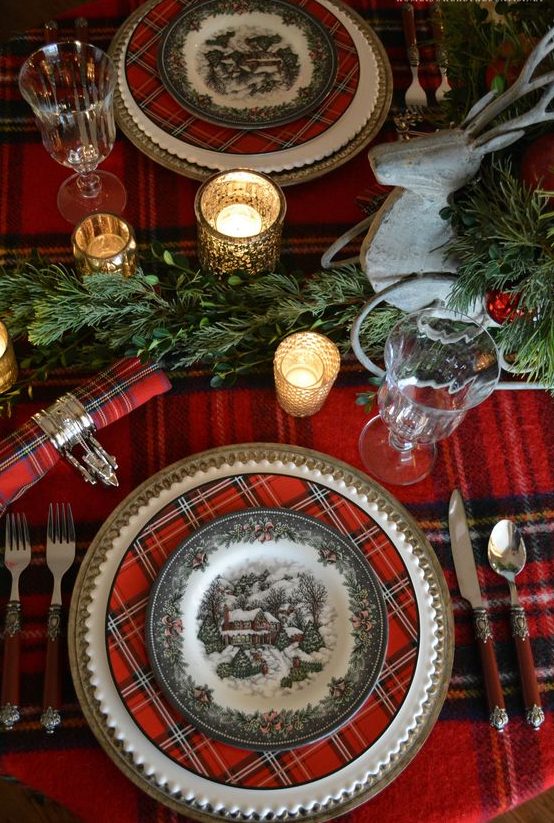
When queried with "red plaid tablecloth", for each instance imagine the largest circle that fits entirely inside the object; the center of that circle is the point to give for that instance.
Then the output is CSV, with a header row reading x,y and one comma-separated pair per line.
x,y
502,459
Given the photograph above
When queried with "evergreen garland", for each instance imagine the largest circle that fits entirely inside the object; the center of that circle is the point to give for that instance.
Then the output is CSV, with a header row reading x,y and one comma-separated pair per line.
x,y
177,315
509,250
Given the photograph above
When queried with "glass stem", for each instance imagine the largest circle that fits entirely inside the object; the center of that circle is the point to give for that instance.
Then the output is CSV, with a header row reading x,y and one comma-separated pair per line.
x,y
89,185
404,447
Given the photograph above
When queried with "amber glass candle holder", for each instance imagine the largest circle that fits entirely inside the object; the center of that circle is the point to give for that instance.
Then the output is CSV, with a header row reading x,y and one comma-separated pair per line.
x,y
239,222
8,364
305,367
104,243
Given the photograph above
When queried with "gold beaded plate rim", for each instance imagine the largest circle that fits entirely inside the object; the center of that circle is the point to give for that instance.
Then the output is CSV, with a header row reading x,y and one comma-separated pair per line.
x,y
134,125
423,701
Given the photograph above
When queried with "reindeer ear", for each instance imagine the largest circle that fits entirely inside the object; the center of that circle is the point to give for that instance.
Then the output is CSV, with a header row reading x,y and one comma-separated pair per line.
x,y
498,142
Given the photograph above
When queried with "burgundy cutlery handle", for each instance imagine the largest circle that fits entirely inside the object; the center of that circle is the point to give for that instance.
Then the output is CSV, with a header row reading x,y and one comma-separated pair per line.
x,y
498,716
438,35
408,21
52,695
534,714
9,696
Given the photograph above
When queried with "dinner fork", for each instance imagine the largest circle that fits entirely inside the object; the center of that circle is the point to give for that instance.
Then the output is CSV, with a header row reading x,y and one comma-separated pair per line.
x,y
442,55
415,97
17,556
60,554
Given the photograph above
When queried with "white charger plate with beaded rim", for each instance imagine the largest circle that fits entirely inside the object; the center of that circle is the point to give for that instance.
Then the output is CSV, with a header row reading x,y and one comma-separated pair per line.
x,y
176,762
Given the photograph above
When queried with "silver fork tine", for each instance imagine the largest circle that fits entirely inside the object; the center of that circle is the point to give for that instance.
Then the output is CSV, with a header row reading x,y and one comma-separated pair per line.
x,y
50,526
70,525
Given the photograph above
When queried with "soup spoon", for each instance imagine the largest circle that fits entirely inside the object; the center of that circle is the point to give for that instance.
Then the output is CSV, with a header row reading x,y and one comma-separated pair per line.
x,y
507,556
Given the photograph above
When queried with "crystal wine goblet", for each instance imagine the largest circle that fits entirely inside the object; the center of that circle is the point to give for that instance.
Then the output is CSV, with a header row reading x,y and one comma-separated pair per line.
x,y
439,364
70,88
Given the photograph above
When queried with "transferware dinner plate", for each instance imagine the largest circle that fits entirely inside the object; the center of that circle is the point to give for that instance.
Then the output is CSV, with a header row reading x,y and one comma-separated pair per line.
x,y
168,756
246,63
327,135
267,629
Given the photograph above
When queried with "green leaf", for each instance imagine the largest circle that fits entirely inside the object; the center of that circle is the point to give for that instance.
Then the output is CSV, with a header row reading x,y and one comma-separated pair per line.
x,y
498,83
181,261
152,279
168,258
216,382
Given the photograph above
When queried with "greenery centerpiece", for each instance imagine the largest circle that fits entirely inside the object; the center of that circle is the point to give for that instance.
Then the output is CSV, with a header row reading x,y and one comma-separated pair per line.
x,y
174,313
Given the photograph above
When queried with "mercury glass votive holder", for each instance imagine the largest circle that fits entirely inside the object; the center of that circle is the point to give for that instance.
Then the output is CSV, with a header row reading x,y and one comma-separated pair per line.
x,y
305,366
239,222
8,364
104,243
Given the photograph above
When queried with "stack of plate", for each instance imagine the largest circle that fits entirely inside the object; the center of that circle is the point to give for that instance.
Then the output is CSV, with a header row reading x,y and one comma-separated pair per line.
x,y
292,90
260,631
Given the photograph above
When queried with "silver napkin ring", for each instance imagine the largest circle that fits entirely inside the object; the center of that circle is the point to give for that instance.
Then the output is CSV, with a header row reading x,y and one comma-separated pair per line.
x,y
68,425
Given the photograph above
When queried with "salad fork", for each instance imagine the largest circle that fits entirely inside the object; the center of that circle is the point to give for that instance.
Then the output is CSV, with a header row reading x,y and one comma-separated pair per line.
x,y
17,556
442,55
60,554
415,97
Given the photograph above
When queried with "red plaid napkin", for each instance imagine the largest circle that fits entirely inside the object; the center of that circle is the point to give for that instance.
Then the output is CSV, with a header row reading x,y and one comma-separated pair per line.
x,y
27,454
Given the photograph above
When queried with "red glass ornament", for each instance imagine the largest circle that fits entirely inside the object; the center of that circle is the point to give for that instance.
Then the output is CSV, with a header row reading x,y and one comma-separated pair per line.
x,y
502,306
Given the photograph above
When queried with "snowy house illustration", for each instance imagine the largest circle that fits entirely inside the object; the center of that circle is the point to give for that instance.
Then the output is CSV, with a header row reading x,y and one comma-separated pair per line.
x,y
248,627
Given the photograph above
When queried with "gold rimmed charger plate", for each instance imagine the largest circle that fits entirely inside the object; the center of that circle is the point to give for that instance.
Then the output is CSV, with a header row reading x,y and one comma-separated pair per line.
x,y
146,526
315,158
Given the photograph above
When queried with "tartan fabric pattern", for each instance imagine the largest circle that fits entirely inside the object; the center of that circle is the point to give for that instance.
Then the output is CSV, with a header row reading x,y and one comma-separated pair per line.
x,y
128,656
164,111
501,457
27,454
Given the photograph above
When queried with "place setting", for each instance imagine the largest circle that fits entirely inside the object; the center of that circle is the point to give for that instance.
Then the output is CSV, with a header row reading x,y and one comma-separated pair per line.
x,y
240,615
320,95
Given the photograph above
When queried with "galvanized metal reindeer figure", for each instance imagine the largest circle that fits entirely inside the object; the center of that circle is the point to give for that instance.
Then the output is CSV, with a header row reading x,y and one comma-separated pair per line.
x,y
407,235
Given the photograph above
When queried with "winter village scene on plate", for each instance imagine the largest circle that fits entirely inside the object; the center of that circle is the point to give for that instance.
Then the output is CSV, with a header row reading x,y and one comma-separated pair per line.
x,y
288,632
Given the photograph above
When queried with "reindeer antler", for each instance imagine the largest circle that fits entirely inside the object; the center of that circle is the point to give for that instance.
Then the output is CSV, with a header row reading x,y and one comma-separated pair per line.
x,y
487,109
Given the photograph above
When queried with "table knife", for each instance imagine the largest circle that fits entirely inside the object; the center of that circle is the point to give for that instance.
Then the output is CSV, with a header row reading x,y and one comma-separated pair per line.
x,y
466,572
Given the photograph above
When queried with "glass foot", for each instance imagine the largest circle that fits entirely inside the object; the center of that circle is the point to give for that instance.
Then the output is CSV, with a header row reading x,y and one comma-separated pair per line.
x,y
387,464
72,205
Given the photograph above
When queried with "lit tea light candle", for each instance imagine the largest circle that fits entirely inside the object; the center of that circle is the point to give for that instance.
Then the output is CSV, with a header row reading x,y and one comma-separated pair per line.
x,y
239,220
106,245
303,371
8,364
305,367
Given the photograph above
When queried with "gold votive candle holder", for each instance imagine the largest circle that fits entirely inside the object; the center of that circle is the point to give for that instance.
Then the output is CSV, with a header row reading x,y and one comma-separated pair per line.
x,y
104,243
239,222
305,366
8,364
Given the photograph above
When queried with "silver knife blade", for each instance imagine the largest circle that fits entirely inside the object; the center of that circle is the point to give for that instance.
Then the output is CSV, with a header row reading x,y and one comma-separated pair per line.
x,y
462,551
